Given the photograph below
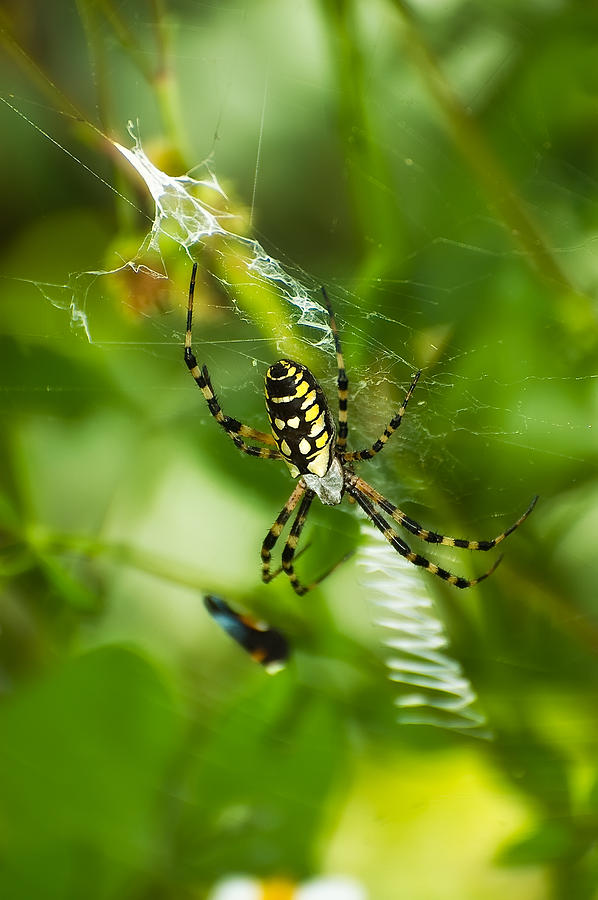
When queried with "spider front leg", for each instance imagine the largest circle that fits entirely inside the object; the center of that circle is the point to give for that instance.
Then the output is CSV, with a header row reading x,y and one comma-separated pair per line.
x,y
432,537
342,380
235,429
404,550
392,426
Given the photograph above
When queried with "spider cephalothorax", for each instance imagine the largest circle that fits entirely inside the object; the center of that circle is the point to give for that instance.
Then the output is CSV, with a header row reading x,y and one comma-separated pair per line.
x,y
305,437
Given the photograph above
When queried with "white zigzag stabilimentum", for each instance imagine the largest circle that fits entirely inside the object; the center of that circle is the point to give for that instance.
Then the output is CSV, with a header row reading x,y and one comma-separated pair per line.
x,y
436,690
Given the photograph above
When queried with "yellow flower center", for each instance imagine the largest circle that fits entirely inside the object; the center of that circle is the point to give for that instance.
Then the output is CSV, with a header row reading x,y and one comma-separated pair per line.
x,y
277,890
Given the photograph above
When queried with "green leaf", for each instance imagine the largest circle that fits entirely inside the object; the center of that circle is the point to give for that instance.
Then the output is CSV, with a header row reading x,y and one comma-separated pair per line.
x,y
265,779
551,842
83,756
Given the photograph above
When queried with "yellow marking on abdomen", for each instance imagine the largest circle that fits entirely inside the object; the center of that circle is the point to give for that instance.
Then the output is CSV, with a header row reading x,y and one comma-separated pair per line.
x,y
309,399
316,427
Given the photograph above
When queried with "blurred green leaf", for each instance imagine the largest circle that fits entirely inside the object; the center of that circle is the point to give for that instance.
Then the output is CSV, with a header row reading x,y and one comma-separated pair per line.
x,y
551,842
83,758
263,813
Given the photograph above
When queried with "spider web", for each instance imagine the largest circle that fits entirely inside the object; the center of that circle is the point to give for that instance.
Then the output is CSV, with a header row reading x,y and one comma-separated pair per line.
x,y
194,213
183,217
441,695
186,217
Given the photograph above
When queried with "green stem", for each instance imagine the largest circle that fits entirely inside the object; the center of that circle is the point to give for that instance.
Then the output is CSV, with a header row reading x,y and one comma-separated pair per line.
x,y
167,570
97,56
375,207
160,78
151,563
480,157
165,83
125,37
36,74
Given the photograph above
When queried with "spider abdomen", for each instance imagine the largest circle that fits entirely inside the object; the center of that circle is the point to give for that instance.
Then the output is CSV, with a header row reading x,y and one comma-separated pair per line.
x,y
301,422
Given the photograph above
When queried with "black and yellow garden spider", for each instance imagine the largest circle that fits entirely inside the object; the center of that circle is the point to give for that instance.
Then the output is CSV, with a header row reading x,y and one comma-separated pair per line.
x,y
304,436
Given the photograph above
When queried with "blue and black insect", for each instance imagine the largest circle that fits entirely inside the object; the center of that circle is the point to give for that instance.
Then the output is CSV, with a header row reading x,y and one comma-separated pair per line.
x,y
264,644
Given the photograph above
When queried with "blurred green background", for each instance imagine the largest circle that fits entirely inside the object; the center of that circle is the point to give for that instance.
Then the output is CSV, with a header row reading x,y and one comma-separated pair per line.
x,y
436,167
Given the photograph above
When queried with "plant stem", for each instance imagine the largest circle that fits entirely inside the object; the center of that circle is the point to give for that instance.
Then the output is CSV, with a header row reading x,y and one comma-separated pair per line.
x,y
36,74
375,207
151,563
165,84
480,157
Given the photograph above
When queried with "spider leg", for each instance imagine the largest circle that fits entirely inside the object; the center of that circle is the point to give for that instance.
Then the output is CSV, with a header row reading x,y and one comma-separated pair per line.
x,y
392,426
293,539
404,550
235,429
288,553
276,530
343,381
431,536
277,571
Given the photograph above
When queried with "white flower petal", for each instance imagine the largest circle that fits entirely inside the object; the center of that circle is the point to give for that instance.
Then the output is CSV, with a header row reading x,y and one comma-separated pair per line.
x,y
239,888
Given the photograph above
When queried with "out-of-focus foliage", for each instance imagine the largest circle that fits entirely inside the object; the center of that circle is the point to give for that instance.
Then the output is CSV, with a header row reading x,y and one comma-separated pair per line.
x,y
435,165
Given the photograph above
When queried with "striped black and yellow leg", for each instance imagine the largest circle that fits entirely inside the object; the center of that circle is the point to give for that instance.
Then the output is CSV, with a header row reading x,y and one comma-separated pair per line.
x,y
289,555
343,381
290,547
276,530
404,550
432,537
392,426
235,429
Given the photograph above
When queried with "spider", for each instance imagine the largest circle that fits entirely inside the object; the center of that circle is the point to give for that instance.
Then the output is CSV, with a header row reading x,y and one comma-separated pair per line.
x,y
305,437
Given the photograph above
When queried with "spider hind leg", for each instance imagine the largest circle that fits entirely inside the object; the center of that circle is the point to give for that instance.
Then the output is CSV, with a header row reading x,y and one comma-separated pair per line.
x,y
432,537
398,544
288,554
